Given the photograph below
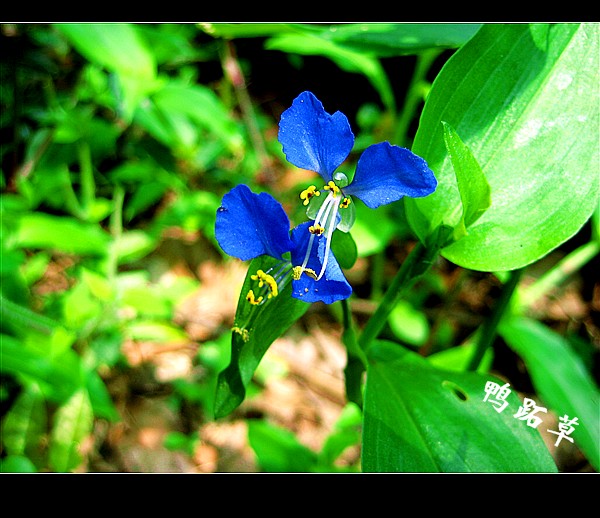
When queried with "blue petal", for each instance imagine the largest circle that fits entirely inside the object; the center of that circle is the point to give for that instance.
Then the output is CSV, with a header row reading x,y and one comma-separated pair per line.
x,y
249,225
385,173
312,138
332,286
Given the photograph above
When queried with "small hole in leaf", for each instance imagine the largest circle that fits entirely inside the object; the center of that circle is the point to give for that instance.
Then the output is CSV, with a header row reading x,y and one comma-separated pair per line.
x,y
456,390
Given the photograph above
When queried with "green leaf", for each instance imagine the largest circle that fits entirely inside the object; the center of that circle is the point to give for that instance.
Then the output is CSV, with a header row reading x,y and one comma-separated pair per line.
x,y
255,329
72,424
472,185
16,464
520,96
394,39
559,377
421,419
119,48
278,450
65,234
347,59
24,425
115,46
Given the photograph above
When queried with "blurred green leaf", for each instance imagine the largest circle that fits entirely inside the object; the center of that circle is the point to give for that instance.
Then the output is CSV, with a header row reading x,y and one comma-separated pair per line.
x,y
16,464
345,433
119,48
348,60
421,419
393,39
519,97
72,423
409,324
458,358
278,450
559,377
257,327
44,231
24,426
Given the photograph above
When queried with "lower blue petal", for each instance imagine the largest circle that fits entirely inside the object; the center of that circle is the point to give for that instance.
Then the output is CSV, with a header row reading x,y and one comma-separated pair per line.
x,y
332,286
249,225
385,173
312,138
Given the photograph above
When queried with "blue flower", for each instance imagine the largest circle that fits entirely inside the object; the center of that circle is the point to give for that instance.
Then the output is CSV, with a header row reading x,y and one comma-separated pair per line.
x,y
249,225
315,140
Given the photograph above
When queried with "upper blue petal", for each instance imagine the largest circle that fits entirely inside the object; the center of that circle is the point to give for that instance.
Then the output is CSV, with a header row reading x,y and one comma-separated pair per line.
x,y
385,173
312,138
332,286
249,225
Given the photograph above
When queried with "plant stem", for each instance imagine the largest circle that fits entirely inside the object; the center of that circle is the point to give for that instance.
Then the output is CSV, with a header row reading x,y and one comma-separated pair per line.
x,y
88,186
356,358
419,260
488,332
414,95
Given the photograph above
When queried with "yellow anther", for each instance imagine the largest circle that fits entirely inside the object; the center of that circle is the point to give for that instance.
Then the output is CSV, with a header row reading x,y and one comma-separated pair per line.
x,y
345,203
264,278
297,272
311,273
307,194
242,332
250,298
331,186
316,229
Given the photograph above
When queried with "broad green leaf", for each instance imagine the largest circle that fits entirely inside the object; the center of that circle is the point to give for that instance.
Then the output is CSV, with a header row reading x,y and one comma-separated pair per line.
x,y
73,422
560,378
523,98
255,329
418,418
473,188
64,234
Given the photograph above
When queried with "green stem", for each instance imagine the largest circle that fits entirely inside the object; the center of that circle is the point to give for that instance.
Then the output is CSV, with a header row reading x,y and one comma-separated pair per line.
x,y
88,186
356,362
488,332
116,230
414,95
416,264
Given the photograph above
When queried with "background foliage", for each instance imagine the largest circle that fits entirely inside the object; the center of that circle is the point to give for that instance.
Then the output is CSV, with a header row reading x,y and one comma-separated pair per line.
x,y
118,142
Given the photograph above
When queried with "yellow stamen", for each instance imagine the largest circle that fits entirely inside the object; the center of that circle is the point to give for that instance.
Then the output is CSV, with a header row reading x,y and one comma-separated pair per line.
x,y
297,272
264,278
345,203
250,298
316,229
331,186
307,194
242,332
